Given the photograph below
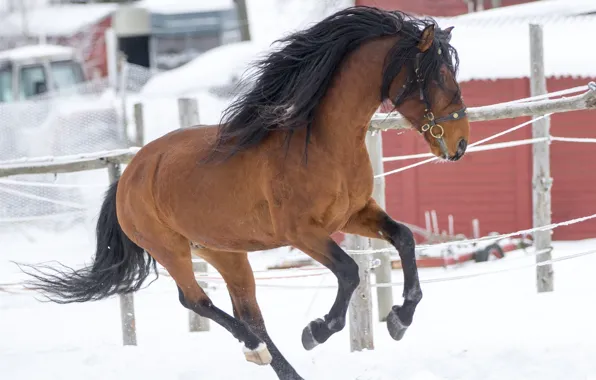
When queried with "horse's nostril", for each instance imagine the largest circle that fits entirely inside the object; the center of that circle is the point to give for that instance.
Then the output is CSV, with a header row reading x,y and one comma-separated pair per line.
x,y
463,144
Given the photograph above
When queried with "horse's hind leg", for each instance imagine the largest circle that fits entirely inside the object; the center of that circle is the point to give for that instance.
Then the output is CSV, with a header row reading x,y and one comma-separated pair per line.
x,y
317,244
236,271
373,222
177,261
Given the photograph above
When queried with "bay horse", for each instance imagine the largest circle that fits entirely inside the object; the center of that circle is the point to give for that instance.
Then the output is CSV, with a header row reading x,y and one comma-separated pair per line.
x,y
287,166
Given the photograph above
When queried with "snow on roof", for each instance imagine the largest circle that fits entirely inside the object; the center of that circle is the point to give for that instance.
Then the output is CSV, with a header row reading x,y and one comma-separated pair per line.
x,y
271,19
59,20
215,67
494,49
184,6
36,51
536,9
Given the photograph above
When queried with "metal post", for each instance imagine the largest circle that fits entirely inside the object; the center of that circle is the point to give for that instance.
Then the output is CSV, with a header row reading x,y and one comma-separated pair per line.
x,y
127,305
374,142
188,110
541,178
360,310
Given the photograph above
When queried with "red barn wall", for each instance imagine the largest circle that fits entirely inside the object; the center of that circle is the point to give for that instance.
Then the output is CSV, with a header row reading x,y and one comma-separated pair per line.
x,y
495,186
445,8
91,43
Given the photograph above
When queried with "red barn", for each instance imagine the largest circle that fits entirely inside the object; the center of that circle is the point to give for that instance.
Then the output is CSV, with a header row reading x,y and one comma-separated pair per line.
x,y
496,186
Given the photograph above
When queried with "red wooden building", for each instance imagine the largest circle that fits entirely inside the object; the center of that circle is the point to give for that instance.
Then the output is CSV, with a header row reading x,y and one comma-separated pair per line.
x,y
496,186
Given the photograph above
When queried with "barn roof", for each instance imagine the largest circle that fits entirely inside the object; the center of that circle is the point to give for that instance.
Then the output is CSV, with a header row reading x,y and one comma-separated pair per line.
x,y
500,48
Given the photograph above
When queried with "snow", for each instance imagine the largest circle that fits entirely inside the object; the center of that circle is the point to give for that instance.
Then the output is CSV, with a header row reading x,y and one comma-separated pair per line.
x,y
271,19
184,6
36,51
216,67
59,20
536,9
489,327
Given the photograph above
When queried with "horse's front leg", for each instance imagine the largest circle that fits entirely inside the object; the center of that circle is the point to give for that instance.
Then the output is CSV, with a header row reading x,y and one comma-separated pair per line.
x,y
317,244
374,222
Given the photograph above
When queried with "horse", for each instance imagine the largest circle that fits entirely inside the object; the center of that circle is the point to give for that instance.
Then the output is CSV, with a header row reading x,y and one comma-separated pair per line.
x,y
286,166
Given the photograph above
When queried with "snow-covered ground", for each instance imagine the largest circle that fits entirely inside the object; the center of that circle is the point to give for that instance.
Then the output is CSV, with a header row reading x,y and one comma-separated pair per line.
x,y
489,327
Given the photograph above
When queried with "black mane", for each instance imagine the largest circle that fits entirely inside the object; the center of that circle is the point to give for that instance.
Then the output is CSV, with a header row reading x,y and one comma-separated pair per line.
x,y
291,81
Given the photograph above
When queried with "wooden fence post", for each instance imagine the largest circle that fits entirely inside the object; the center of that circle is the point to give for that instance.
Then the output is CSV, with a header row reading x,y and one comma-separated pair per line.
x,y
195,321
188,110
374,142
139,125
541,178
360,310
127,305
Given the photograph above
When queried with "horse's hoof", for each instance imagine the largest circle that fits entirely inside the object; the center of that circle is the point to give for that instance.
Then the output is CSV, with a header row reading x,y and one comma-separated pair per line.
x,y
308,339
259,355
396,327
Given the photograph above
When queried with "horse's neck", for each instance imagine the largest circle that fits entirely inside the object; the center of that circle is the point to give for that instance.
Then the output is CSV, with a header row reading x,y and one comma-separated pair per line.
x,y
352,99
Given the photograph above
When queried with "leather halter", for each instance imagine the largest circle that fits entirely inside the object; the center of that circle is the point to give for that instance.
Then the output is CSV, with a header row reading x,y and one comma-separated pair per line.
x,y
436,130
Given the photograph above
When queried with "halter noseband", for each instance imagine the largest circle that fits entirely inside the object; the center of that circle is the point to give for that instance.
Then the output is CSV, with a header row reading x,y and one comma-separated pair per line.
x,y
435,129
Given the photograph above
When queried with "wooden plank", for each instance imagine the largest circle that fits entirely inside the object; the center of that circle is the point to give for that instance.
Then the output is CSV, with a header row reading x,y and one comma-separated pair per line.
x,y
66,164
583,101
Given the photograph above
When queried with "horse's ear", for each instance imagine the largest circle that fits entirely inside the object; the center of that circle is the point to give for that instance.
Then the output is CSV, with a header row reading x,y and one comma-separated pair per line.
x,y
426,40
447,32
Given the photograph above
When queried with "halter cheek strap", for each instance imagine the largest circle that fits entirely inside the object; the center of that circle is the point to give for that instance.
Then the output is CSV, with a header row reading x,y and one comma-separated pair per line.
x,y
432,126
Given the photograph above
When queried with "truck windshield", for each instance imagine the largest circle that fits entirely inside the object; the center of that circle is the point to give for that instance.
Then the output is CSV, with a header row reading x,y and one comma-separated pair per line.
x,y
66,74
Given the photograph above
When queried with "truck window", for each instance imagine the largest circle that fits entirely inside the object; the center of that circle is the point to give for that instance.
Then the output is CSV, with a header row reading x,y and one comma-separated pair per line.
x,y
6,85
66,74
33,81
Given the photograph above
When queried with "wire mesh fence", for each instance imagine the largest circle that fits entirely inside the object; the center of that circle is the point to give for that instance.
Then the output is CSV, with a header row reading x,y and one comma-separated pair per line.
x,y
89,117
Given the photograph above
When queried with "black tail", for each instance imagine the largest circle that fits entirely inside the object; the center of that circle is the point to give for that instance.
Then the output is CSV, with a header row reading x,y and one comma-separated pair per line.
x,y
120,266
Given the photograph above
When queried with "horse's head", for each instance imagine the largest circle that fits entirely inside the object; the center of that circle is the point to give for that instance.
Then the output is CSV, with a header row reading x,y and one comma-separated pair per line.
x,y
430,98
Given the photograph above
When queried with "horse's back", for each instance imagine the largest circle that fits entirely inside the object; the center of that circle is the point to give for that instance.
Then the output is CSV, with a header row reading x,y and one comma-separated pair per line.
x,y
208,202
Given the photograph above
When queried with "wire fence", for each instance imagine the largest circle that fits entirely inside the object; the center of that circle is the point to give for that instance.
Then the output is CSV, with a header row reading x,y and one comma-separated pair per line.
x,y
87,117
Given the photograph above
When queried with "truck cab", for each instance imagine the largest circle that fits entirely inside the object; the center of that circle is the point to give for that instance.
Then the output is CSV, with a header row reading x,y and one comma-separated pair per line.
x,y
29,71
